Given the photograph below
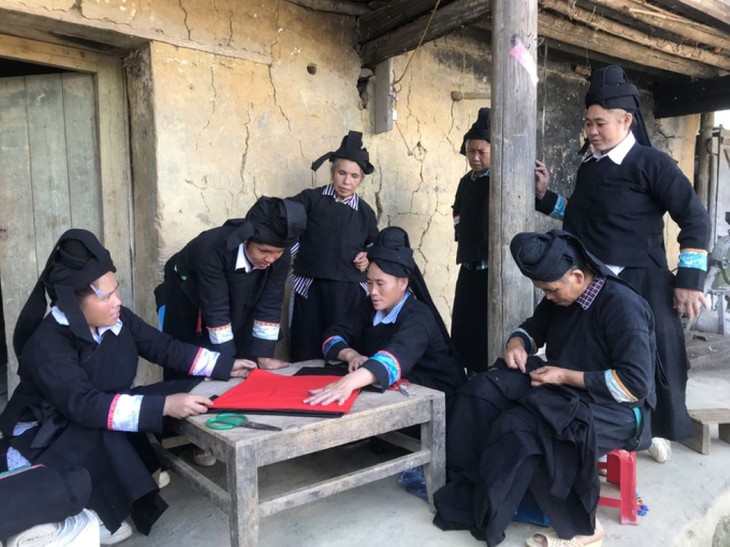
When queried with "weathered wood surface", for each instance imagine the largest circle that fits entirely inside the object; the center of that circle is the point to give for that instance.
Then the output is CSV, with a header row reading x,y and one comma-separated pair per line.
x,y
512,185
393,15
702,419
244,451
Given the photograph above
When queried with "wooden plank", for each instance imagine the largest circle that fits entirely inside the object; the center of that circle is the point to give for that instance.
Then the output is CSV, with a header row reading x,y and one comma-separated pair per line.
x,y
598,22
651,15
448,19
82,151
49,170
566,31
17,248
511,188
711,415
383,97
321,489
709,11
331,6
393,15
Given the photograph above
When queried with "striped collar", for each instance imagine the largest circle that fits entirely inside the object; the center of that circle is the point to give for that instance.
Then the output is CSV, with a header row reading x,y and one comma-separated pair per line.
x,y
589,295
353,201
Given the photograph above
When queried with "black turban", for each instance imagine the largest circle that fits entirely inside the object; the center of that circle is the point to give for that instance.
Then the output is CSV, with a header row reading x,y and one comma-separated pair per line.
x,y
610,88
547,257
77,260
351,148
392,252
479,130
272,221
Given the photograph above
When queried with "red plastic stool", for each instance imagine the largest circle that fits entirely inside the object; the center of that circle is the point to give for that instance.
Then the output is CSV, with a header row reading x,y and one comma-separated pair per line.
x,y
620,467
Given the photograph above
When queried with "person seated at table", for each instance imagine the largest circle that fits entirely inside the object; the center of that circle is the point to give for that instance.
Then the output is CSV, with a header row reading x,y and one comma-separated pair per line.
x,y
75,406
530,424
397,334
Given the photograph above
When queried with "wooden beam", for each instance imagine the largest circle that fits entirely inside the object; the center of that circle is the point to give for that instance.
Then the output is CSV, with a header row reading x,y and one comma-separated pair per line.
x,y
600,23
405,38
396,14
514,148
719,10
562,30
657,17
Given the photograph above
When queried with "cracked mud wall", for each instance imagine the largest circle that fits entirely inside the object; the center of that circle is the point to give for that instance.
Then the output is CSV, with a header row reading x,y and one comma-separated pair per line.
x,y
237,97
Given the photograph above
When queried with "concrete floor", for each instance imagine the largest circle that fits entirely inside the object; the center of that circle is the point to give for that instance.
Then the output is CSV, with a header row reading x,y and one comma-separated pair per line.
x,y
687,498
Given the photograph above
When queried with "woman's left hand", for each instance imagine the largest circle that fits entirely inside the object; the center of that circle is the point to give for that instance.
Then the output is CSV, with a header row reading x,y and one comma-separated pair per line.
x,y
242,368
340,390
269,363
361,261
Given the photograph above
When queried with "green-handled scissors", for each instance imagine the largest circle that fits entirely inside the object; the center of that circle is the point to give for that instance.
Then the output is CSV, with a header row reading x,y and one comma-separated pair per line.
x,y
229,420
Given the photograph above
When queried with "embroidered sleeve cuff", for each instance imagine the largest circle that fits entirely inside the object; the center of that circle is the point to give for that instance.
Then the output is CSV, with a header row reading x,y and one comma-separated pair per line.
x,y
617,389
332,347
693,258
386,368
265,330
124,413
220,335
204,363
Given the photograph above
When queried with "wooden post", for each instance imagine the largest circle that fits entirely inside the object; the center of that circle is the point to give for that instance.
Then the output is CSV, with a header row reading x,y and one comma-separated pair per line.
x,y
512,190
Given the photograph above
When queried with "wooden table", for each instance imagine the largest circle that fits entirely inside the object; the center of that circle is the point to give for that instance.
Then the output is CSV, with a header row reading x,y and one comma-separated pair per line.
x,y
244,451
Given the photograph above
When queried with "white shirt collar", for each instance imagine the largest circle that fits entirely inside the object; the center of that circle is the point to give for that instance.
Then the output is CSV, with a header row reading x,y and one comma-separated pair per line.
x,y
380,317
242,260
61,319
618,152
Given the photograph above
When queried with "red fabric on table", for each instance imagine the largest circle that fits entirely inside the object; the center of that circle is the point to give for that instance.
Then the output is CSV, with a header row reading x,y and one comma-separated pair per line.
x,y
268,393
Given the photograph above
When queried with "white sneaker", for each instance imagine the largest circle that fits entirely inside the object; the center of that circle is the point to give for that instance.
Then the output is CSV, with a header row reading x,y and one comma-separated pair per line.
x,y
80,530
163,479
39,535
660,450
108,538
203,458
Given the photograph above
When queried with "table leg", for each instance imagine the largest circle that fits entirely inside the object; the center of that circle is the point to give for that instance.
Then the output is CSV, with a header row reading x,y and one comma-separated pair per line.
x,y
243,489
433,435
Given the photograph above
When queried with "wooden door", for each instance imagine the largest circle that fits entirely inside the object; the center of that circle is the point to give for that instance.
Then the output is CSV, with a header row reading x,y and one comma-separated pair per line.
x,y
49,179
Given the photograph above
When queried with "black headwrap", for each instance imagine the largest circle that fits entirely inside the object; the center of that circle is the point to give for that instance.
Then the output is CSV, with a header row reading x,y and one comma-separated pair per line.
x,y
351,148
479,130
610,88
273,221
75,262
547,257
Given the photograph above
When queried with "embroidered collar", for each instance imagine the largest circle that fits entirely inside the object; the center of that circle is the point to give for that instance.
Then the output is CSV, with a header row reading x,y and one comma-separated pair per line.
x,y
618,152
589,295
61,319
475,176
353,201
380,317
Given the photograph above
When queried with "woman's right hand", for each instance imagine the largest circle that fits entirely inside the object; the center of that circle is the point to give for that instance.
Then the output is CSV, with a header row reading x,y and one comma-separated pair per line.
x,y
184,405
515,354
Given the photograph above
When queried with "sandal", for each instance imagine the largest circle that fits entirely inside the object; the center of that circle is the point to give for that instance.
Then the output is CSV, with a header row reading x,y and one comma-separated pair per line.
x,y
552,540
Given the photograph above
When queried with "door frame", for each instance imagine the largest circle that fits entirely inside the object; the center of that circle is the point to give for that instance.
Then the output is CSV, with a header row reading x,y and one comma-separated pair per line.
x,y
114,157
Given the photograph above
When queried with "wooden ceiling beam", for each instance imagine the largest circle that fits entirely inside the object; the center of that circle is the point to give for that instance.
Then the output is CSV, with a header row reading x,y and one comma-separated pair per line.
x,y
331,6
396,14
447,19
600,23
670,22
560,29
718,10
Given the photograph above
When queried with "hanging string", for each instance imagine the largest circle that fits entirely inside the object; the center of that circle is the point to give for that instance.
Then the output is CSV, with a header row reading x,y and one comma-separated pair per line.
x,y
395,86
